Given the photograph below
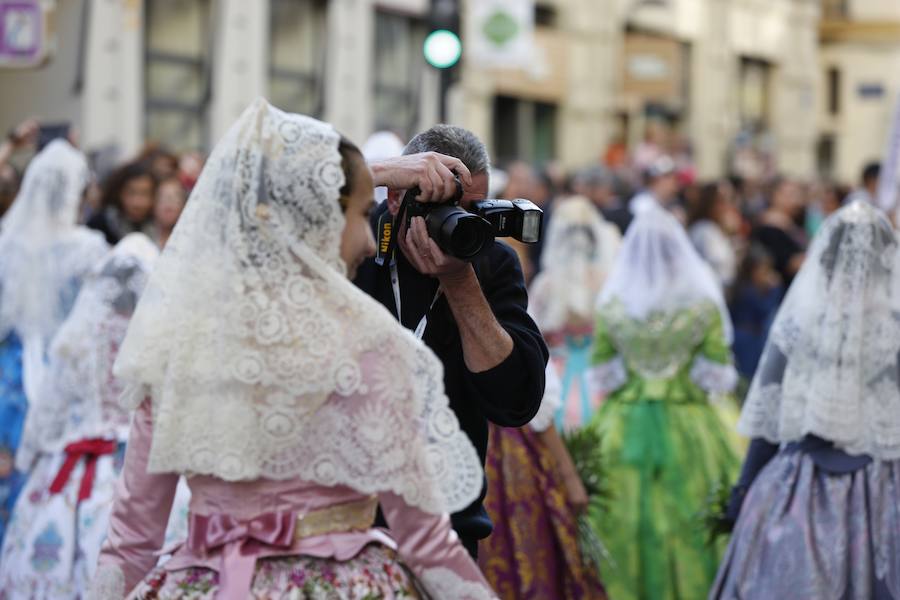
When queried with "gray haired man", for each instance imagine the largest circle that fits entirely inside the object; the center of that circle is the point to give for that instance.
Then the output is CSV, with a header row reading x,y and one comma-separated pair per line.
x,y
473,315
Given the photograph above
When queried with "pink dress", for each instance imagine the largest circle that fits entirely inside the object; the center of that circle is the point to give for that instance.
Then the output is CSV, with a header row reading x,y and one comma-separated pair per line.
x,y
236,524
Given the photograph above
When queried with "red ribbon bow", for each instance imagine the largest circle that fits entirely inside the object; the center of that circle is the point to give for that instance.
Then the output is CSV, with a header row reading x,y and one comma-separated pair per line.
x,y
90,450
233,536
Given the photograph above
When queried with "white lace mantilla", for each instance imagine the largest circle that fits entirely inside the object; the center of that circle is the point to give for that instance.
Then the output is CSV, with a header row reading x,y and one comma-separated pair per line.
x,y
79,397
830,366
444,584
263,359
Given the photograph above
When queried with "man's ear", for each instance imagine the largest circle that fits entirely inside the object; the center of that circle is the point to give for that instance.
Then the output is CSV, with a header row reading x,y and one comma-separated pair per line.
x,y
394,198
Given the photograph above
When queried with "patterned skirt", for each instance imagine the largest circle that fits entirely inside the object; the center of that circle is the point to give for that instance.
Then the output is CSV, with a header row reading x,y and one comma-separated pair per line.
x,y
806,534
533,552
376,572
54,539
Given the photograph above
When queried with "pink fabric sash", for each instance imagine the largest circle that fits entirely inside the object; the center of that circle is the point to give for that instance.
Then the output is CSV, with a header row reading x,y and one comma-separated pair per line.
x,y
239,541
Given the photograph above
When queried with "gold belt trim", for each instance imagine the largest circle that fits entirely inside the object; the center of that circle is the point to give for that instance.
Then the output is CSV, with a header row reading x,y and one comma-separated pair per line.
x,y
340,518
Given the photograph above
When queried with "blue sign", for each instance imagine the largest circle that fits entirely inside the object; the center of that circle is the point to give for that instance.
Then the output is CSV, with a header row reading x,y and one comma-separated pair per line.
x,y
870,90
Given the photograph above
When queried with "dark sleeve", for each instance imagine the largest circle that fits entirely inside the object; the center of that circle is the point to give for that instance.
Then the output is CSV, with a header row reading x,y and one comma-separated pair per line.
x,y
758,456
510,394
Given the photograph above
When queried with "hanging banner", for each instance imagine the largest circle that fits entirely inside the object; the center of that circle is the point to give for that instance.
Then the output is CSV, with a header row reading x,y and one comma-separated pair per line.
x,y
25,40
887,181
500,33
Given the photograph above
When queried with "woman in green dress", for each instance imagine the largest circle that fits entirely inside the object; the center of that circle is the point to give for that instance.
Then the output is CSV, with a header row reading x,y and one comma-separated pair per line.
x,y
662,354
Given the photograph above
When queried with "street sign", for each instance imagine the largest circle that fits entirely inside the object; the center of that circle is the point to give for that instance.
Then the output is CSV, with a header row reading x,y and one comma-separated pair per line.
x,y
501,33
25,38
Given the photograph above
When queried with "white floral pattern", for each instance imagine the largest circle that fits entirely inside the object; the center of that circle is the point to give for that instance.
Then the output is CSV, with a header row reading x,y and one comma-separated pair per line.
x,y
830,366
445,584
256,349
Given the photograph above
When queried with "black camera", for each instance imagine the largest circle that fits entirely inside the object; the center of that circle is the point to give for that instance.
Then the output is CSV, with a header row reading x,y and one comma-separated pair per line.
x,y
464,234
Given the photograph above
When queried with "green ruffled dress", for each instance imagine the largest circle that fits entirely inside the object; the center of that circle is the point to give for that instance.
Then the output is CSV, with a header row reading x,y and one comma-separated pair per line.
x,y
664,447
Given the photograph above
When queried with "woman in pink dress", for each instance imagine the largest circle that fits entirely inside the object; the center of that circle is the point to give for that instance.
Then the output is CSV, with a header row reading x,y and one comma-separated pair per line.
x,y
293,403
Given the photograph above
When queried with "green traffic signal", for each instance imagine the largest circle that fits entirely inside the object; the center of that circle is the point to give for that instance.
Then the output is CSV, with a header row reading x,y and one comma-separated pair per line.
x,y
442,49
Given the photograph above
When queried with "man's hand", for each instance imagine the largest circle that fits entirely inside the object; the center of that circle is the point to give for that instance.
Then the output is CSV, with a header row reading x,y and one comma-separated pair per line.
x,y
426,256
430,171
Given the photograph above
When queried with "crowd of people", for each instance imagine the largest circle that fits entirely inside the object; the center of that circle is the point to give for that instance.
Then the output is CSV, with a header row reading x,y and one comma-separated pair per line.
x,y
256,375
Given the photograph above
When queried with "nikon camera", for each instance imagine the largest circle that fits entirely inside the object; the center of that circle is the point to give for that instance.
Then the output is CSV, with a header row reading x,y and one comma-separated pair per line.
x,y
464,234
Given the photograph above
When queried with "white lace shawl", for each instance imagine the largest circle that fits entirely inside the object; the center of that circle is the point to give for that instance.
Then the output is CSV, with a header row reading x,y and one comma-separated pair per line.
x,y
657,270
578,253
830,366
44,253
263,360
79,397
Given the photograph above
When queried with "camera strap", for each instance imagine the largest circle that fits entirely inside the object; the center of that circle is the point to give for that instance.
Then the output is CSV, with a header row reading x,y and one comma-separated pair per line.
x,y
395,285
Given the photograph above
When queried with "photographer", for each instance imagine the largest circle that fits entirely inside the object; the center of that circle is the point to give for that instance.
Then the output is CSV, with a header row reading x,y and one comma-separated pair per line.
x,y
472,314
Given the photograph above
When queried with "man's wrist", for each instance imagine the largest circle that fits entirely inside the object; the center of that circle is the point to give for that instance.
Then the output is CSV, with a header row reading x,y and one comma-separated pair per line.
x,y
455,280
379,172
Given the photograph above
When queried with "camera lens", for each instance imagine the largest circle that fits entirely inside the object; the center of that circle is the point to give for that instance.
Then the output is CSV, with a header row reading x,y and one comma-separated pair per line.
x,y
457,232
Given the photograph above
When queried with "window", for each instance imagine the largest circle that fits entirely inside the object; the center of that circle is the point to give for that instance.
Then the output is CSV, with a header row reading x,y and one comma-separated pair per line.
x,y
297,30
754,94
524,130
398,70
177,75
545,15
835,9
834,91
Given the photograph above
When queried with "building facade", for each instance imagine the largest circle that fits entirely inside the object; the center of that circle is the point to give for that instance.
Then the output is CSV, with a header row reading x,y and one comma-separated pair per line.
x,y
718,76
860,84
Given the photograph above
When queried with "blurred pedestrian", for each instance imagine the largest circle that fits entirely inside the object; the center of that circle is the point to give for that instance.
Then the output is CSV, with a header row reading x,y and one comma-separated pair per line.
x,y
868,184
598,185
128,197
580,249
535,496
22,136
661,187
709,219
161,163
74,437
170,200
754,302
44,257
661,352
778,231
816,505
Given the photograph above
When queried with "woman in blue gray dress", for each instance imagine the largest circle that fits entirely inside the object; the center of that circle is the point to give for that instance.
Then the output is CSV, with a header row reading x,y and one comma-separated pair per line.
x,y
818,502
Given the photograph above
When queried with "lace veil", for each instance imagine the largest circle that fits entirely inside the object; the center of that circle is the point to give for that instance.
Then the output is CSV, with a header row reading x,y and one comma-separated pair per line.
x,y
830,365
79,398
44,253
578,254
658,270
262,359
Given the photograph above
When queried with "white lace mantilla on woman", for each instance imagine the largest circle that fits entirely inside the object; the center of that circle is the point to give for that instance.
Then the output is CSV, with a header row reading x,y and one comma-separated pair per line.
x,y
44,253
838,334
249,334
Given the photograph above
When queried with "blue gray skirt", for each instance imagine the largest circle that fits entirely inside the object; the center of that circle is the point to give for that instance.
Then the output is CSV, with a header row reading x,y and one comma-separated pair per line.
x,y
806,533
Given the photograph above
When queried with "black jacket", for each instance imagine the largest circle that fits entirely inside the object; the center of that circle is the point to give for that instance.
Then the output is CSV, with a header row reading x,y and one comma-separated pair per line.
x,y
509,394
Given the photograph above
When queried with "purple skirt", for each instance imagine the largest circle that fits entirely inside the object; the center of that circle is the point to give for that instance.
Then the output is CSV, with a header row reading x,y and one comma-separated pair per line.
x,y
805,533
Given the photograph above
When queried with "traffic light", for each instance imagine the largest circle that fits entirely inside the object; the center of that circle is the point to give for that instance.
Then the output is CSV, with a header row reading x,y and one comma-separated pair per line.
x,y
443,47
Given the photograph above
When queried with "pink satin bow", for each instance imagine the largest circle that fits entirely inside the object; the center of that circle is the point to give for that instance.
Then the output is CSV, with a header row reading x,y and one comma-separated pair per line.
x,y
240,542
